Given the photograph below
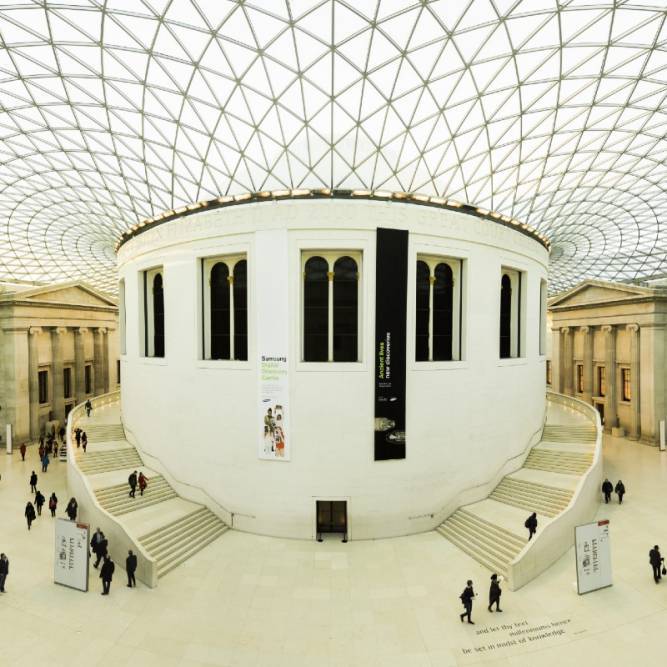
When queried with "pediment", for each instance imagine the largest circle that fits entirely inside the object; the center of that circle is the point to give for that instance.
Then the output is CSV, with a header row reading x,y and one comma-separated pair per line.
x,y
597,292
70,295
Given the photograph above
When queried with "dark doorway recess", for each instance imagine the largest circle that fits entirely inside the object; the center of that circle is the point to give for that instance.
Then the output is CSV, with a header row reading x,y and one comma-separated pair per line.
x,y
331,518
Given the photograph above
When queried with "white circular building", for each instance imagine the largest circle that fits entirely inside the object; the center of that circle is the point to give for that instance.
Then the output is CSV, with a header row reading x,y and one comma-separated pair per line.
x,y
346,362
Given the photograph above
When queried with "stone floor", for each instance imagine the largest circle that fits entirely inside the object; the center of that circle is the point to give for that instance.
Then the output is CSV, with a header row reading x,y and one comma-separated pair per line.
x,y
248,600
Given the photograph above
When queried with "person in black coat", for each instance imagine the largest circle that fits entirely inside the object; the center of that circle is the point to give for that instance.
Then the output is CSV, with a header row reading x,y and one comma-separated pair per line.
x,y
132,481
656,561
53,503
72,509
33,482
607,488
467,598
620,491
494,593
29,513
131,568
39,502
102,549
531,524
106,574
4,571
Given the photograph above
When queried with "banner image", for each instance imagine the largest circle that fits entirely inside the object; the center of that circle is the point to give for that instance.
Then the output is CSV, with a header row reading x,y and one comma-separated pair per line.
x,y
391,294
71,554
272,345
593,556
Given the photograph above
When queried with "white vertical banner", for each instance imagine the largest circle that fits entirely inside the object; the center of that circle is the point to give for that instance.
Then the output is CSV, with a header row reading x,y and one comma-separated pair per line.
x,y
593,555
271,299
71,554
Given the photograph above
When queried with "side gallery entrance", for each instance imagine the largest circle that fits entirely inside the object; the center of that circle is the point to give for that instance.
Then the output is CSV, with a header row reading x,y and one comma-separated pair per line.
x,y
331,518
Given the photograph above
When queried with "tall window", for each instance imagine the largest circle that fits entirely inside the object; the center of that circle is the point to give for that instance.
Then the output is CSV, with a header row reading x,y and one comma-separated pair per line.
x,y
511,304
121,315
580,379
601,381
625,384
331,306
549,372
88,378
117,371
154,338
438,301
543,317
43,383
67,382
225,307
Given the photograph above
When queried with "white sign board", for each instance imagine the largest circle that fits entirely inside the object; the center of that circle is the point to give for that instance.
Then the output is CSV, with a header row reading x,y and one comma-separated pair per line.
x,y
71,554
593,556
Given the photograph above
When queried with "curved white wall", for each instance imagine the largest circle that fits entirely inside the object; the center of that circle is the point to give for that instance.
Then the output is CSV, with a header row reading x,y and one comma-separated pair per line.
x,y
464,419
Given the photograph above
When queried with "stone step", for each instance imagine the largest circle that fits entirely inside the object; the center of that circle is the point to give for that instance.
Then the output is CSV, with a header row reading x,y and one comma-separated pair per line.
x,y
156,535
105,432
126,505
189,533
122,490
530,504
482,524
190,549
485,542
558,461
555,492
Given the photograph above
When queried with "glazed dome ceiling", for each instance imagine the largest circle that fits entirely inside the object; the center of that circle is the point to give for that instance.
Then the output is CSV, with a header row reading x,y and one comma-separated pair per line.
x,y
112,111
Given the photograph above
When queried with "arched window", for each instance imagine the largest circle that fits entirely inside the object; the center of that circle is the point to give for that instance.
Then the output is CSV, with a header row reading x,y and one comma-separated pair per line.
x,y
443,293
316,310
241,310
158,316
423,314
219,282
505,317
345,310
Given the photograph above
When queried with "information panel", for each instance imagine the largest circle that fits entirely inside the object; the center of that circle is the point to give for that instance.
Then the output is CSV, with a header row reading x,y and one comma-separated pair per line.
x,y
71,554
391,294
593,555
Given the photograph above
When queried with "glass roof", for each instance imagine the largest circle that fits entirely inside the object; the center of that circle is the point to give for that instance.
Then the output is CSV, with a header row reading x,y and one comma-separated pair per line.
x,y
553,113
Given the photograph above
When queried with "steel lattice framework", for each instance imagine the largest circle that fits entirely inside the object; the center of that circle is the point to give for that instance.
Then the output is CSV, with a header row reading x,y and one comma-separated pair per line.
x,y
112,111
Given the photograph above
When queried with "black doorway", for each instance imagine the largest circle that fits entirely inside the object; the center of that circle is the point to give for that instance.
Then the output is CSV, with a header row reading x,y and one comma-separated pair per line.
x,y
600,409
331,518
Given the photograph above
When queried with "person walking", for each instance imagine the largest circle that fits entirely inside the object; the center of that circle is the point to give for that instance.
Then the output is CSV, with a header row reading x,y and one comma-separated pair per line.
x,y
106,574
102,549
61,433
132,481
33,482
620,491
39,502
656,561
143,483
131,568
607,488
95,540
84,441
77,435
29,513
494,593
467,598
531,524
53,503
41,451
4,571
45,462
72,509
22,449
89,407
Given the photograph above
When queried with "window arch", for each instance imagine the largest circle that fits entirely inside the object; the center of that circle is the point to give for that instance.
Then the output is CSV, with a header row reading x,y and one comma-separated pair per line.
x,y
158,316
219,282
443,303
423,314
512,307
241,310
316,310
345,309
505,316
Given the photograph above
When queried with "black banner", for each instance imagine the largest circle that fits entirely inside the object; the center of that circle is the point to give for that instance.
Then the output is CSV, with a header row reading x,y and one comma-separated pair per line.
x,y
391,295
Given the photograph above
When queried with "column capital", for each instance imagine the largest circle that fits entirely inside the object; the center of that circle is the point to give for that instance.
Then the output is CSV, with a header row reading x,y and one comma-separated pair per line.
x,y
608,328
34,330
100,330
58,330
585,329
632,327
565,330
80,330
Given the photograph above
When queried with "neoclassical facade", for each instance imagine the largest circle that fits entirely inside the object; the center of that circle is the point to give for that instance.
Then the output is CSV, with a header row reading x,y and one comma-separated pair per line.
x,y
608,348
58,346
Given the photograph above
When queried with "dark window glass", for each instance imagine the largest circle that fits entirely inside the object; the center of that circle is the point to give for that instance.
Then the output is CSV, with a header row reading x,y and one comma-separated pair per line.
x,y
117,371
627,389
87,377
602,381
345,311
67,382
315,310
580,379
422,313
443,302
241,310
158,316
43,380
548,371
220,342
505,317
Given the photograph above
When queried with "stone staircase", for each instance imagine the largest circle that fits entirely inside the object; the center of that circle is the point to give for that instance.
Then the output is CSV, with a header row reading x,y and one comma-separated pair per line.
x,y
116,499
93,463
178,540
104,432
545,484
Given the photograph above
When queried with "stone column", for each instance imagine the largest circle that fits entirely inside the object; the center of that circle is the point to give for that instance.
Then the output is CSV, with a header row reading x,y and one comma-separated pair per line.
x,y
105,357
58,384
635,421
33,381
14,369
588,363
566,362
79,365
98,360
610,409
556,354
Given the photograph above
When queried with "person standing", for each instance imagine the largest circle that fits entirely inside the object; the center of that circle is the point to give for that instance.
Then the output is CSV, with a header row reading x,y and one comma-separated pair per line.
x,y
132,481
84,441
102,549
531,524
106,574
41,451
131,568
33,482
77,435
22,449
45,462
39,502
72,509
607,488
89,407
620,491
494,593
4,571
29,513
467,598
143,483
61,433
53,503
656,561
